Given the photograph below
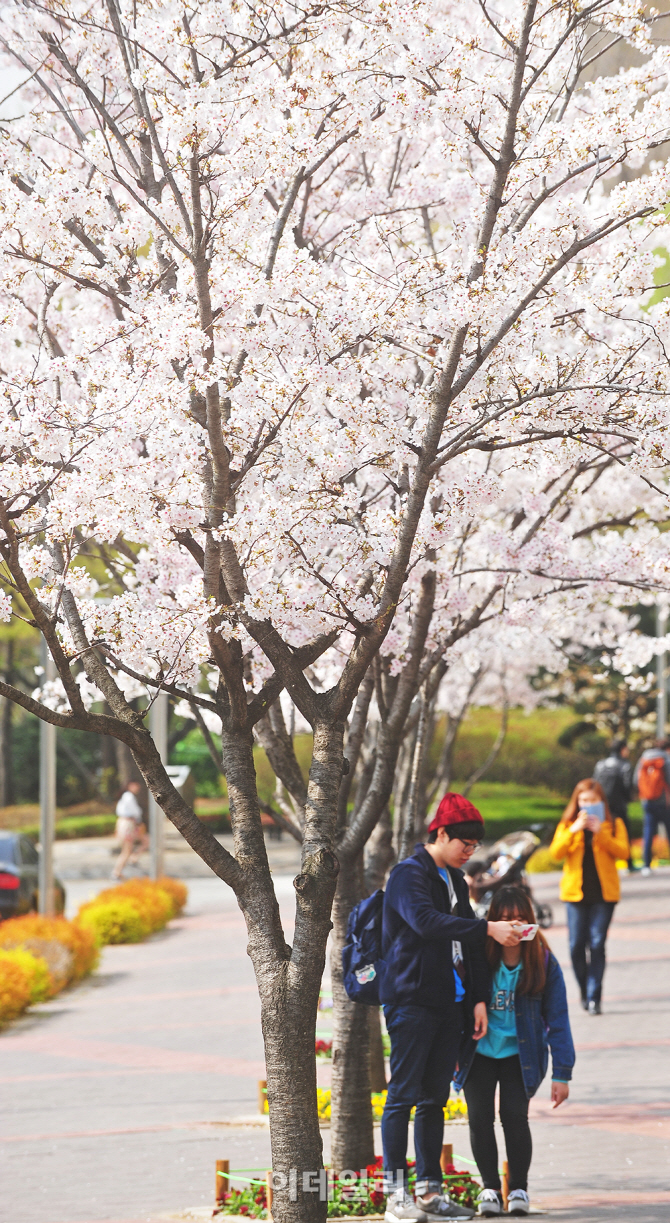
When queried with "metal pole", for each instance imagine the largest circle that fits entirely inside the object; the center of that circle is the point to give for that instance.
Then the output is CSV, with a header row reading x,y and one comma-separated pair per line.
x,y
158,724
47,799
661,677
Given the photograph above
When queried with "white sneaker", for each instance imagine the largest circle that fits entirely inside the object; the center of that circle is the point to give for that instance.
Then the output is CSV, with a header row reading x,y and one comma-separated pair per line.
x,y
402,1206
442,1207
490,1202
646,870
518,1202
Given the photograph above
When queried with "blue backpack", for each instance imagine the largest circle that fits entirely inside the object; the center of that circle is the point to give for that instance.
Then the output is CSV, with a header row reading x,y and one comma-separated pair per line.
x,y
362,962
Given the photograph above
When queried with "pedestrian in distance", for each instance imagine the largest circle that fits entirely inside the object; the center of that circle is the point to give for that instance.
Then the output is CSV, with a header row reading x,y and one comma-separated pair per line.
x,y
589,840
652,778
131,830
527,1016
434,989
615,775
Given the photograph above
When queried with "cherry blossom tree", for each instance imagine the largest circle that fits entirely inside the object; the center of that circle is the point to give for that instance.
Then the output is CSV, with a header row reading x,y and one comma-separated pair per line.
x,y
293,299
491,627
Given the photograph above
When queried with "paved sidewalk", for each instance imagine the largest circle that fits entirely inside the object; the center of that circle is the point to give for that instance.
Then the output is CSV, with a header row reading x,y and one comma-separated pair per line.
x,y
121,1094
94,857
605,1155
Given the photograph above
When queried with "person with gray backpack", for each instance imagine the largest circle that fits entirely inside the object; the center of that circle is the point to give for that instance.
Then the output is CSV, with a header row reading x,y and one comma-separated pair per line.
x,y
615,775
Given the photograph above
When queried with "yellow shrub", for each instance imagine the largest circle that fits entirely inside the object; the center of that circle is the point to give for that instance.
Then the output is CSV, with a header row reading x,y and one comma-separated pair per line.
x,y
15,986
542,861
35,932
132,910
36,970
115,920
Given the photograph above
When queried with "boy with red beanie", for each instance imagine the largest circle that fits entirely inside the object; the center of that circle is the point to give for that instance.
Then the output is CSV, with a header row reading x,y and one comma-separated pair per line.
x,y
434,989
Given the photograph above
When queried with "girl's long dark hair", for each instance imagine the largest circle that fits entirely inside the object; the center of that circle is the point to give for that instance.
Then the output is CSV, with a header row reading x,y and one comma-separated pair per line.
x,y
534,954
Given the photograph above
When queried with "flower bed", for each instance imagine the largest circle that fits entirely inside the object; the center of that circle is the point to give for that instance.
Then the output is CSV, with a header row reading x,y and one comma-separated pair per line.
x,y
131,911
455,1110
349,1195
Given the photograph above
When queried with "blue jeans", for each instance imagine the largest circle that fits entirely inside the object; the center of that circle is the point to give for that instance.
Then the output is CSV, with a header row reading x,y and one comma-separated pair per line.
x,y
655,813
424,1052
587,929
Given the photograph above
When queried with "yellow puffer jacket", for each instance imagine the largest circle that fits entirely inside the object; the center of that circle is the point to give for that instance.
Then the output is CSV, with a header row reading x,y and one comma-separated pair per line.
x,y
608,846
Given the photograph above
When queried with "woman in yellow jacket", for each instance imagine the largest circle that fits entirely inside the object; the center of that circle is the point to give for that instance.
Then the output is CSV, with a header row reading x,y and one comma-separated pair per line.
x,y
589,840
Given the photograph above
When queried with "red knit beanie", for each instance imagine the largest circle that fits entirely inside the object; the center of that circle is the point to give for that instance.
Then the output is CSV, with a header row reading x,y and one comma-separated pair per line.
x,y
460,816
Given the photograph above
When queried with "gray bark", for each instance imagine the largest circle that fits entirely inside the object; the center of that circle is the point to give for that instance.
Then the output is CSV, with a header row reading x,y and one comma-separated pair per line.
x,y
351,1134
377,1063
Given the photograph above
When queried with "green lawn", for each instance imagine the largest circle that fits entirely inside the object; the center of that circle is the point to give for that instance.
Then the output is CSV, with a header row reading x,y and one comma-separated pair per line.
x,y
507,807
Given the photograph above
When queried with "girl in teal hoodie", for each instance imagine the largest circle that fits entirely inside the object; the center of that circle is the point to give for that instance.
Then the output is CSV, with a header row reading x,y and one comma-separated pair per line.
x,y
527,1015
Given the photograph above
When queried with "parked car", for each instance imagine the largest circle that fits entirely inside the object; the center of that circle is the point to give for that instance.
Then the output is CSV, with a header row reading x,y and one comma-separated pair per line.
x,y
19,866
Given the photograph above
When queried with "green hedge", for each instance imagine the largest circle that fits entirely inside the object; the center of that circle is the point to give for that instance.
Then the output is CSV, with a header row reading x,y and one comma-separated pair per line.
x,y
508,808
74,826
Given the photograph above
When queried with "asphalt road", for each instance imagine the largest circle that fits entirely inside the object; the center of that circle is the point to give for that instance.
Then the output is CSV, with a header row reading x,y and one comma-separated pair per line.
x,y
120,1095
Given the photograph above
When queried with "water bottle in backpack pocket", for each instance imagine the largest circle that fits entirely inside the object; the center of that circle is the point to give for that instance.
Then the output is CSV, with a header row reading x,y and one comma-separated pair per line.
x,y
362,963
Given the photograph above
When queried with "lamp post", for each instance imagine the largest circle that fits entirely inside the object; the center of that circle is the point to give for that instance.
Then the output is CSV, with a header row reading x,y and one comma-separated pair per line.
x,y
158,725
47,799
661,678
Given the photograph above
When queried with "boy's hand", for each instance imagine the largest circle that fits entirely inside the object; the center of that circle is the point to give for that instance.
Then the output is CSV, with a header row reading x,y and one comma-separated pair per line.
x,y
481,1020
507,933
559,1093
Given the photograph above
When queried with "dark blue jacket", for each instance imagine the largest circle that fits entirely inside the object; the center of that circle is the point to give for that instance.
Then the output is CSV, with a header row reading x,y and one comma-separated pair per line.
x,y
542,1022
417,930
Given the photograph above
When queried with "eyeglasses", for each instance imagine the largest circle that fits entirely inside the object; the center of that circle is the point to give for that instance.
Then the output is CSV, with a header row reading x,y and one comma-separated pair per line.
x,y
468,846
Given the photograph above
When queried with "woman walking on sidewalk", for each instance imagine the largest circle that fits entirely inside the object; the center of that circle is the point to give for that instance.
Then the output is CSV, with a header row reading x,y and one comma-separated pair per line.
x,y
589,840
131,830
527,1015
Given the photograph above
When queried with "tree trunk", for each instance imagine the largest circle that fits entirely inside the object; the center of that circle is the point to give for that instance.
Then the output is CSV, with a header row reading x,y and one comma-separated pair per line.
x,y
377,1063
6,762
379,855
288,1018
289,979
351,1134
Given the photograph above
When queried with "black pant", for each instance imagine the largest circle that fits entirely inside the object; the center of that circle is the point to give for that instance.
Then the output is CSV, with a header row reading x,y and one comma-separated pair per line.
x,y
480,1090
424,1049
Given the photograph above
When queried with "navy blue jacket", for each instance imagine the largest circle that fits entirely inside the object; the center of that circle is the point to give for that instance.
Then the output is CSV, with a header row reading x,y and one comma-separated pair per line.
x,y
542,1022
417,930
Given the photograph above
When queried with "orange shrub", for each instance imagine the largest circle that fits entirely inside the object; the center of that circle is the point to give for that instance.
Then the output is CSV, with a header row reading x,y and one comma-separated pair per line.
x,y
177,890
154,904
35,929
15,988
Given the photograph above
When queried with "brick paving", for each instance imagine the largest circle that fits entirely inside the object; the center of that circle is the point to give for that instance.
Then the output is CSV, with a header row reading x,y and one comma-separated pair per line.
x,y
120,1095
